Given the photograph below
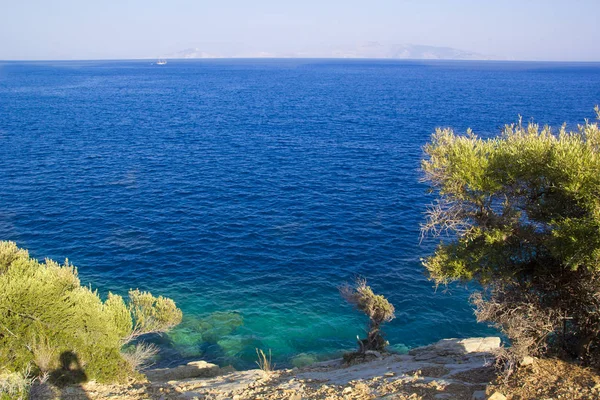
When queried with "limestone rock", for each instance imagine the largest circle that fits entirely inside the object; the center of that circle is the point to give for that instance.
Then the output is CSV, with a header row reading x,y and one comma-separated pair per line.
x,y
195,369
481,345
497,396
456,347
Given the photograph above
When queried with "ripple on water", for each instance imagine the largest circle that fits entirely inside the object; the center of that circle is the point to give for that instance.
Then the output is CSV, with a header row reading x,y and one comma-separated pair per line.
x,y
249,190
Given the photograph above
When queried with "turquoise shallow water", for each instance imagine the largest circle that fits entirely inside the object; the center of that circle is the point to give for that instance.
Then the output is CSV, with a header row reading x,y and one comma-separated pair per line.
x,y
249,190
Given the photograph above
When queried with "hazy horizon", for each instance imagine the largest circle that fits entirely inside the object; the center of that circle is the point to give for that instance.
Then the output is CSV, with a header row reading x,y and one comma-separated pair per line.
x,y
69,30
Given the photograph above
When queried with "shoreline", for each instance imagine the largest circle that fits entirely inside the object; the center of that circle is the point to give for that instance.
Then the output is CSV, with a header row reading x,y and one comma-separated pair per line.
x,y
457,369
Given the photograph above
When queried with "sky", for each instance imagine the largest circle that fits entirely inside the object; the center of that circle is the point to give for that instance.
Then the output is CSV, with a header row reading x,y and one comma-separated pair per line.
x,y
557,30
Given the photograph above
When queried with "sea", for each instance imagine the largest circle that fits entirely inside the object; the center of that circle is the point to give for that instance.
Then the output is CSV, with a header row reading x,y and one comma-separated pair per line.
x,y
249,190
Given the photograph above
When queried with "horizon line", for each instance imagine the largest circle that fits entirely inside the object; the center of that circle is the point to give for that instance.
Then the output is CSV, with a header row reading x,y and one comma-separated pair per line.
x,y
301,58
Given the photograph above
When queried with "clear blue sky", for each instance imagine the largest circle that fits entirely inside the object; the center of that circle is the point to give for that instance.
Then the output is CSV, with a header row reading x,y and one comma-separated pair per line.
x,y
96,29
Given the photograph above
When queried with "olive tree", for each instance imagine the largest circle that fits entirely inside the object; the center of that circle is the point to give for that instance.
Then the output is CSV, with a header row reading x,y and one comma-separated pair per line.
x,y
520,215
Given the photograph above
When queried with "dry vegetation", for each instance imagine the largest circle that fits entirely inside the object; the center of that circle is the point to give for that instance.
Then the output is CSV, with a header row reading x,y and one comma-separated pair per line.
x,y
550,379
265,362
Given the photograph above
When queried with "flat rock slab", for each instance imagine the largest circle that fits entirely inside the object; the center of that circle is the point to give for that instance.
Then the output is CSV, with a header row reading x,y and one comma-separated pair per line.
x,y
461,346
195,369
457,358
447,349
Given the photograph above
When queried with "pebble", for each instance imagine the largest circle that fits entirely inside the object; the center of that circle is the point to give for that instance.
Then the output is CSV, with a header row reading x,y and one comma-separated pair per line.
x,y
527,360
479,395
497,396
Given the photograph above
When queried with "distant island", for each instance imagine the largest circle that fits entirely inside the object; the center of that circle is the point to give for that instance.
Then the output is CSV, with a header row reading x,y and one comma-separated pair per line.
x,y
376,50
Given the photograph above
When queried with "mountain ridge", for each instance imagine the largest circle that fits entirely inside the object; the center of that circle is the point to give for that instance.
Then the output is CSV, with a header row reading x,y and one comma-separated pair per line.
x,y
370,50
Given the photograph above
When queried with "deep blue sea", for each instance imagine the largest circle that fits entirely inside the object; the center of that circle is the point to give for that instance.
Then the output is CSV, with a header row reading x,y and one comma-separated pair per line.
x,y
249,190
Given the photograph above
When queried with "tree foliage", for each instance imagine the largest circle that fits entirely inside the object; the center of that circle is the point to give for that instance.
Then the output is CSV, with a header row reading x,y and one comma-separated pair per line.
x,y
151,314
375,306
522,213
46,313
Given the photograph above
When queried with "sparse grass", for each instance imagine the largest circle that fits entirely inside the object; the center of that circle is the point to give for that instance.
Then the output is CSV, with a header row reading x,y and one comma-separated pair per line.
x,y
141,356
265,363
44,355
14,386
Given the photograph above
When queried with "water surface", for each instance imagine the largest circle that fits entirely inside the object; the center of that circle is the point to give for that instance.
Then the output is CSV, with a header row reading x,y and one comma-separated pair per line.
x,y
248,190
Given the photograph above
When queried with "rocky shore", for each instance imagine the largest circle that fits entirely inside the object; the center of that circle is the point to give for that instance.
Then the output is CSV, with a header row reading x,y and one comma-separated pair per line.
x,y
449,369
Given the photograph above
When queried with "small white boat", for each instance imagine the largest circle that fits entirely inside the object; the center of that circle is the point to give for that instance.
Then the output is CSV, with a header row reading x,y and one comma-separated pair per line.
x,y
161,61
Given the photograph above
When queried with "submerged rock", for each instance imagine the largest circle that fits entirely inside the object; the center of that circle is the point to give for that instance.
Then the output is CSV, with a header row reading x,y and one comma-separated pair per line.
x,y
232,346
194,334
303,360
219,324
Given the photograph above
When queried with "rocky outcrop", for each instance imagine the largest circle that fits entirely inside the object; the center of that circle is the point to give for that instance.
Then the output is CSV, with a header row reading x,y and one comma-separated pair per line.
x,y
448,350
451,369
458,369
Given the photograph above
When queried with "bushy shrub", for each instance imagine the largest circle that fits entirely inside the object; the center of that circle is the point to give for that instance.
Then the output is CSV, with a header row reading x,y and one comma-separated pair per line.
x,y
523,214
150,314
375,306
45,313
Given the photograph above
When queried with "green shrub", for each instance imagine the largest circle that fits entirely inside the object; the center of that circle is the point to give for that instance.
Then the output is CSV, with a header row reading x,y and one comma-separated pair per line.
x,y
149,314
45,313
523,213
